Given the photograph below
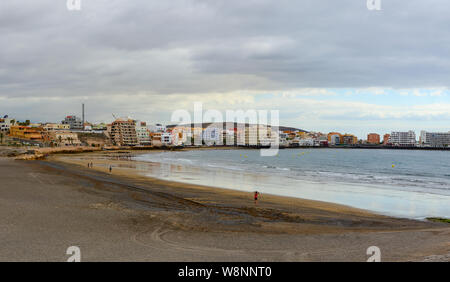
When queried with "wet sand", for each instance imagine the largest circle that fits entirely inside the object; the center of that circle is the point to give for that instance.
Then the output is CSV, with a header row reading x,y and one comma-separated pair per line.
x,y
49,205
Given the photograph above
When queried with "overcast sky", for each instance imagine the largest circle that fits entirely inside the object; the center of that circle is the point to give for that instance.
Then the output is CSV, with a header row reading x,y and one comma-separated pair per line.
x,y
326,65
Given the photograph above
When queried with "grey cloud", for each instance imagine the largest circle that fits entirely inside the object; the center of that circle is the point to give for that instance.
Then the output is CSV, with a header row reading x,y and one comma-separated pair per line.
x,y
116,47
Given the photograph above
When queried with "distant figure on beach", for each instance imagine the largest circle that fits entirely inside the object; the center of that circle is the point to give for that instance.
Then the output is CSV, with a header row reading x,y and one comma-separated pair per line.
x,y
92,164
110,169
88,165
256,197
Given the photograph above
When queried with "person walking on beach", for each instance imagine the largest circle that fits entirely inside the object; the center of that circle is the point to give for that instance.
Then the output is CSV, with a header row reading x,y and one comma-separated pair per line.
x,y
110,169
256,197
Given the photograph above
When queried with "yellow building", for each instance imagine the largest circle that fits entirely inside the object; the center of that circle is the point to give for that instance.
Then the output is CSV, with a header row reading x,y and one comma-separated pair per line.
x,y
26,132
56,126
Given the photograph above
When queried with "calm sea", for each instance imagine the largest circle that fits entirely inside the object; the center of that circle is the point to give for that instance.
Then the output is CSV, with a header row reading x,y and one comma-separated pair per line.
x,y
404,183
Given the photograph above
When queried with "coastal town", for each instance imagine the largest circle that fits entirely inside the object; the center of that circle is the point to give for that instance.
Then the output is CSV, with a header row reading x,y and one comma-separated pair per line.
x,y
128,132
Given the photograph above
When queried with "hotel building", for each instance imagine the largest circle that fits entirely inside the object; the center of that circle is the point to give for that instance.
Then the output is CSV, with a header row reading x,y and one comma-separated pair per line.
x,y
398,138
434,139
122,132
373,138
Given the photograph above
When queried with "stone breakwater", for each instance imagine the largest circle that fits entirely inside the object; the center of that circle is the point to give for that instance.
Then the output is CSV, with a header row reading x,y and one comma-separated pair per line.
x,y
40,153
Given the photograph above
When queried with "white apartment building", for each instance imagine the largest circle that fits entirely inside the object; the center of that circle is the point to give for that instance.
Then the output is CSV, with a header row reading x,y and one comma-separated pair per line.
x,y
142,133
166,138
434,139
156,127
406,138
306,142
212,136
6,123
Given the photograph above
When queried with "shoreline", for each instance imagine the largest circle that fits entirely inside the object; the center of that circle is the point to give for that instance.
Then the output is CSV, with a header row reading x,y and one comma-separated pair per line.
x,y
124,165
127,169
341,193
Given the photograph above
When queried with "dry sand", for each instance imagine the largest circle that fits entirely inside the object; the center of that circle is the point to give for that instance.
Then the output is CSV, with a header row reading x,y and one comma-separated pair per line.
x,y
47,206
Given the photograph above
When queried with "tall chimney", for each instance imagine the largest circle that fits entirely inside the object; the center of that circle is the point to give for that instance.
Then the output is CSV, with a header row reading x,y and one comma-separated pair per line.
x,y
82,116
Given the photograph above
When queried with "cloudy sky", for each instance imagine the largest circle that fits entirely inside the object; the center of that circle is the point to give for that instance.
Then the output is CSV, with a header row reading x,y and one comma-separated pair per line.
x,y
324,64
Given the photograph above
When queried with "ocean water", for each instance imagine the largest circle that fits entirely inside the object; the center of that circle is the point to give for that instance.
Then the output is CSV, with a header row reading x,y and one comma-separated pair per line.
x,y
403,183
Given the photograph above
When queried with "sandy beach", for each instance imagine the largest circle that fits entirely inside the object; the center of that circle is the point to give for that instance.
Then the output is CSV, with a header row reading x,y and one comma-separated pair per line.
x,y
49,205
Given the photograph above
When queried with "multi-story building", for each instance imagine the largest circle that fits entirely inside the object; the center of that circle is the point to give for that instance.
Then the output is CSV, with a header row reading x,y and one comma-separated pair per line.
x,y
74,122
349,139
258,135
213,136
26,133
6,123
122,132
399,138
306,142
335,138
373,138
56,126
142,133
63,138
166,138
386,138
434,139
157,127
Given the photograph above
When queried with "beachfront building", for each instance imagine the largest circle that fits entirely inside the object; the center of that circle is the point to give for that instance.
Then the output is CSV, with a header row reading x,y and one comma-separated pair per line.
x,y
306,142
142,133
212,136
434,139
26,133
335,138
6,123
399,138
166,138
157,127
229,135
122,132
373,138
74,122
259,135
55,126
349,139
386,138
181,136
62,138
283,138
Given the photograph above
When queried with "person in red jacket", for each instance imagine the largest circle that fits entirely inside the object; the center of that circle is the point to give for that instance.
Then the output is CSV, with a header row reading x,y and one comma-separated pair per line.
x,y
256,197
